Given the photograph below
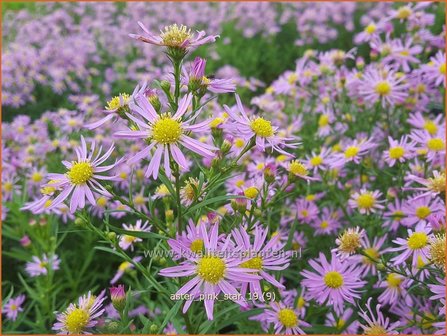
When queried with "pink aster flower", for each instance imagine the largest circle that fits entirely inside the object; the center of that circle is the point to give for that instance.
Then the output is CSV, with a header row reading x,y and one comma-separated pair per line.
x,y
79,318
352,152
124,267
127,240
263,256
366,201
213,272
188,242
257,128
326,223
174,36
395,289
417,209
306,211
339,322
434,71
13,307
401,151
377,325
285,319
382,85
432,186
40,266
165,133
372,250
82,177
394,215
416,245
433,144
334,282
115,108
196,79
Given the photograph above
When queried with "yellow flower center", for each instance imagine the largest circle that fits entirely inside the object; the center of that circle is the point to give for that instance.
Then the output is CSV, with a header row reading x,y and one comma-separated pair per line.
x,y
115,102
166,131
7,186
403,12
292,78
304,213
211,269
76,321
436,144
371,28
351,151
383,88
48,203
13,307
375,330
80,173
174,36
47,190
101,201
123,175
333,279
427,320
442,68
297,168
437,251
239,183
251,192
254,263
349,241
430,127
287,317
372,253
324,224
239,143
340,324
316,160
124,266
437,184
139,200
398,215
393,280
397,152
405,53
301,302
366,201
197,246
310,197
162,190
37,177
420,262
262,127
129,239
216,122
417,240
422,212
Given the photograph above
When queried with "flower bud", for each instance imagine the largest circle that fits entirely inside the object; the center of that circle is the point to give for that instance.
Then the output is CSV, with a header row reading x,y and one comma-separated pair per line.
x,y
118,297
111,236
25,241
226,146
169,214
80,221
165,85
153,328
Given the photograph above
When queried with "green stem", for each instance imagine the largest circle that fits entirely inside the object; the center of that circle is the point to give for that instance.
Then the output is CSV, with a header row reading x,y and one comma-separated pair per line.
x,y
177,70
178,200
